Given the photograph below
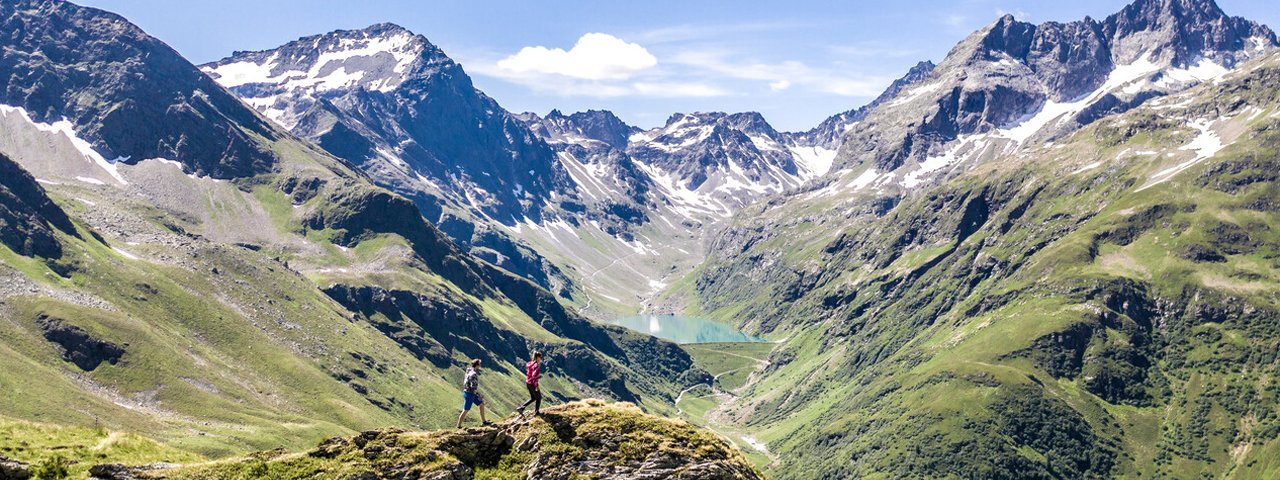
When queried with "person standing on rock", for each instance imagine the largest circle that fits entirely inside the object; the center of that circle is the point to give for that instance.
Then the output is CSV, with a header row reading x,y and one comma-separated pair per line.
x,y
532,373
471,393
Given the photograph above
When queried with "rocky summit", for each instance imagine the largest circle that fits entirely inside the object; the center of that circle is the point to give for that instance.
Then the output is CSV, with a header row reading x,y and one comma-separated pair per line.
x,y
589,439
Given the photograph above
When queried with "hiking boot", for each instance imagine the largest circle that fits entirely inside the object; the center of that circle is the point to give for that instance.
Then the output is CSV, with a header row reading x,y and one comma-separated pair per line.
x,y
520,411
487,423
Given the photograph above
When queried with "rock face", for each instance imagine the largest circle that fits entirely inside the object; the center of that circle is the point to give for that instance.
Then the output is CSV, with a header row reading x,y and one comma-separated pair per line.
x,y
611,188
589,439
1013,82
28,219
131,97
14,470
78,346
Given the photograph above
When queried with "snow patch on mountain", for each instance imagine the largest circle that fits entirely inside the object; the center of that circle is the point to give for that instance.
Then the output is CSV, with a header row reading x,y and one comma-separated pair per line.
x,y
1140,76
328,71
1206,144
816,160
377,59
63,127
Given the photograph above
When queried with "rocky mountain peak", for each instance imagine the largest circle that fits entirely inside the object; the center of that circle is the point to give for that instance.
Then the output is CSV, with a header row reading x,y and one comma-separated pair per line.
x,y
601,125
1012,82
388,100
695,147
1009,36
1180,32
378,58
751,123
581,128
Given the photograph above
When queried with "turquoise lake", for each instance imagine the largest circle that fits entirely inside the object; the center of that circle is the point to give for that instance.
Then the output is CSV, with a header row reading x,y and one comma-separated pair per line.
x,y
682,329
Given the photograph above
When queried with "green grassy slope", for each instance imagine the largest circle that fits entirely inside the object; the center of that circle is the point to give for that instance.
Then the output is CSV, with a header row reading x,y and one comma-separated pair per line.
x,y
242,345
1105,306
206,314
53,451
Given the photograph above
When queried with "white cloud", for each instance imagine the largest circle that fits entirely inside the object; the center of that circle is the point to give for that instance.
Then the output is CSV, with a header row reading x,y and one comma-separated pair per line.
x,y
783,75
702,31
1018,14
604,66
657,89
678,89
596,56
955,19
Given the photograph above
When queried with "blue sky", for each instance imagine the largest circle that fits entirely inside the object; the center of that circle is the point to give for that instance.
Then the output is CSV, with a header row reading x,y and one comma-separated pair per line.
x,y
797,62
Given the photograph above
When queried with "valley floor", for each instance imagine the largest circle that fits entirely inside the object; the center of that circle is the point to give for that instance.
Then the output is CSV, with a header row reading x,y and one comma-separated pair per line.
x,y
732,366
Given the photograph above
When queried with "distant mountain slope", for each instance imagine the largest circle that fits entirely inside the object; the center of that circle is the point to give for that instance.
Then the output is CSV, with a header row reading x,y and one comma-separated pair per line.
x,y
1101,305
220,302
665,191
829,134
132,97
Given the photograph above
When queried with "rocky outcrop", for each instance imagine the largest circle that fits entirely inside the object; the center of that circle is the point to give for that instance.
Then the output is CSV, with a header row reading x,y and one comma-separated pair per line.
x,y
590,439
78,346
28,219
13,469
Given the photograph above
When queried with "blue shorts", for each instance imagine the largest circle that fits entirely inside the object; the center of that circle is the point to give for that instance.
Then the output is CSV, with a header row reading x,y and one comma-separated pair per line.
x,y
469,398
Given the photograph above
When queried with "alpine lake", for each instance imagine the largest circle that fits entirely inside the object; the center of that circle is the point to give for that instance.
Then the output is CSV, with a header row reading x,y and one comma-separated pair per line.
x,y
686,330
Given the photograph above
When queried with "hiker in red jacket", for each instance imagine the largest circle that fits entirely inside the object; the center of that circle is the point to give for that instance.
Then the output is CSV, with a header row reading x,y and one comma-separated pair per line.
x,y
532,372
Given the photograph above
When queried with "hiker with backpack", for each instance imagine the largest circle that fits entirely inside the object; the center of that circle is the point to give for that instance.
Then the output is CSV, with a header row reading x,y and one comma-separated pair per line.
x,y
471,393
532,373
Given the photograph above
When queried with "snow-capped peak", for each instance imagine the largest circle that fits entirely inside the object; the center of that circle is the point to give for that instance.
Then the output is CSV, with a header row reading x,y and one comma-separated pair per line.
x,y
378,58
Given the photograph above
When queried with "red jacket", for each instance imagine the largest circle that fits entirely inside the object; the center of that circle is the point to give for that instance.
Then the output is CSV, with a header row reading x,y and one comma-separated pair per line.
x,y
532,372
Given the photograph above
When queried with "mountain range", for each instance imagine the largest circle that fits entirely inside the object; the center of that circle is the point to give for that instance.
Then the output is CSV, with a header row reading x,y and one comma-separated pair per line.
x,y
521,190
1051,254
